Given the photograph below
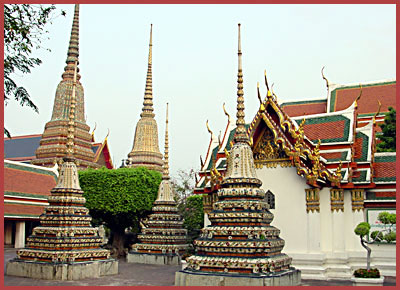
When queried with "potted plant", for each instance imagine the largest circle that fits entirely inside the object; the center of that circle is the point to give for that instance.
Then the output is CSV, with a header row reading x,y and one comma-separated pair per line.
x,y
368,276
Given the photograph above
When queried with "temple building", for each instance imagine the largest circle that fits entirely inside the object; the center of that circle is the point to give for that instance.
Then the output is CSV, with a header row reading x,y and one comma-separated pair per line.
x,y
145,151
65,246
163,239
318,160
52,145
26,189
240,247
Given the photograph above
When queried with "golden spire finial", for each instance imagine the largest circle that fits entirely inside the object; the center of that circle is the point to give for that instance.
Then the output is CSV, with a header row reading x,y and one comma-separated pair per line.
x,y
73,48
377,113
166,163
209,130
269,95
226,113
71,121
241,134
94,129
148,94
108,133
359,96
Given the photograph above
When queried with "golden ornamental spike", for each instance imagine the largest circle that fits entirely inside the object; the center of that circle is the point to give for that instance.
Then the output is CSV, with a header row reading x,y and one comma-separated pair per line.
x,y
358,98
241,134
166,151
226,113
208,129
147,109
323,76
377,113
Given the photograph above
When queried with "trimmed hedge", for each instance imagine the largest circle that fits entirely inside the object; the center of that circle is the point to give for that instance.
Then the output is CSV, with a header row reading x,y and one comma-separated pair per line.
x,y
119,197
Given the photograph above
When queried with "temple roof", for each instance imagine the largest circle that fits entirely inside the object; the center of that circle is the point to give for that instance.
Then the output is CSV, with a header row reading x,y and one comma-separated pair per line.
x,y
342,96
26,188
22,148
385,167
300,108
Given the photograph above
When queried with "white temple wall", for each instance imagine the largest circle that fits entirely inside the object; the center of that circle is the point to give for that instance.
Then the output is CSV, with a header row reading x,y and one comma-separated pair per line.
x,y
290,215
326,220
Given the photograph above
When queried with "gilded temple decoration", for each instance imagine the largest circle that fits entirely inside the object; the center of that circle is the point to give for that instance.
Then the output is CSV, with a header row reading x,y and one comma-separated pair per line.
x,y
337,199
267,153
145,151
312,199
357,199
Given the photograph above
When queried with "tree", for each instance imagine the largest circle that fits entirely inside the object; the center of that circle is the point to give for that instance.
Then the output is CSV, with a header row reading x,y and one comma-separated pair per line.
x,y
192,212
388,234
23,32
184,183
119,198
388,137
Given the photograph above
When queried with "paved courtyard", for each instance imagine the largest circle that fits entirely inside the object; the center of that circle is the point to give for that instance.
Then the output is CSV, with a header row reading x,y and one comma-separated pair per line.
x,y
138,275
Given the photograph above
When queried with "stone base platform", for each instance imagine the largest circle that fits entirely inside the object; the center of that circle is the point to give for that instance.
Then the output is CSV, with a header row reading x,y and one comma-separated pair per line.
x,y
62,271
150,258
197,278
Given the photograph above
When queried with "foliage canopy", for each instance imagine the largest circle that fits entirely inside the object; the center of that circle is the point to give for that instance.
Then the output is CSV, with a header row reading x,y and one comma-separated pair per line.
x,y
119,197
23,32
388,137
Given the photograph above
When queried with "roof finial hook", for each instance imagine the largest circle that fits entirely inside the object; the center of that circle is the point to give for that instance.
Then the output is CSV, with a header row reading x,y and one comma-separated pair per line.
x,y
323,76
269,95
377,113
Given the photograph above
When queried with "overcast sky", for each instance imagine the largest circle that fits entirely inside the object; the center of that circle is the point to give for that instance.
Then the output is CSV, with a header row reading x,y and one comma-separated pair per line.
x,y
195,65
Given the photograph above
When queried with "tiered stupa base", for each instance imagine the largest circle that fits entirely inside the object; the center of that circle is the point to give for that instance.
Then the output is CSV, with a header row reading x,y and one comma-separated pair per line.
x,y
62,271
152,258
187,277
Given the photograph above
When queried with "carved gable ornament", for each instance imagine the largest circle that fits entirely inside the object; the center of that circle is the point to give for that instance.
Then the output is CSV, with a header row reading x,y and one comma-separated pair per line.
x,y
267,153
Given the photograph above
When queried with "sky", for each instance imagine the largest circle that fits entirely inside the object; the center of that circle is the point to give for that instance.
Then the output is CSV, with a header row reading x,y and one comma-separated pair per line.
x,y
195,65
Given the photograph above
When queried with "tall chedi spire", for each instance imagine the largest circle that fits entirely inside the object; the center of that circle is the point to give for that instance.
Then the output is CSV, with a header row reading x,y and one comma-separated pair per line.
x,y
145,151
240,247
54,139
65,246
163,239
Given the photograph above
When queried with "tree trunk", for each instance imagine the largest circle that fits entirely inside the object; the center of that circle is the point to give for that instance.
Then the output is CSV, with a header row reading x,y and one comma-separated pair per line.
x,y
363,243
118,242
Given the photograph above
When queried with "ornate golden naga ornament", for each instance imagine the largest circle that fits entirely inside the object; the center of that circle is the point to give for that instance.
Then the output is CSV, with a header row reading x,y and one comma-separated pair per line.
x,y
337,199
357,199
312,199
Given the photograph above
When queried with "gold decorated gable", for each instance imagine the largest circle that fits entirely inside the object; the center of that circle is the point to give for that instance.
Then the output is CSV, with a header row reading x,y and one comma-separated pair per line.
x,y
267,153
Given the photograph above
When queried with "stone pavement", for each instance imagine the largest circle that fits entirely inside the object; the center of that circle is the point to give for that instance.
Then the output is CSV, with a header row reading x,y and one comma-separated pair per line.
x,y
138,275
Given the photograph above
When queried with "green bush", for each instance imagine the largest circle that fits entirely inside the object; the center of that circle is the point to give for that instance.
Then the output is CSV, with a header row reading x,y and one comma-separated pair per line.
x,y
119,198
362,229
377,235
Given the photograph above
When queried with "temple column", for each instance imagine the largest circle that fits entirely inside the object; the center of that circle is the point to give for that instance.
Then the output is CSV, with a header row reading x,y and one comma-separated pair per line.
x,y
313,220
19,234
357,211
338,262
7,233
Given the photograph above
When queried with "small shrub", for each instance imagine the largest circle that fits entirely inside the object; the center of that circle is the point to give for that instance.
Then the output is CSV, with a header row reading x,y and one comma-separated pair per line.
x,y
364,273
